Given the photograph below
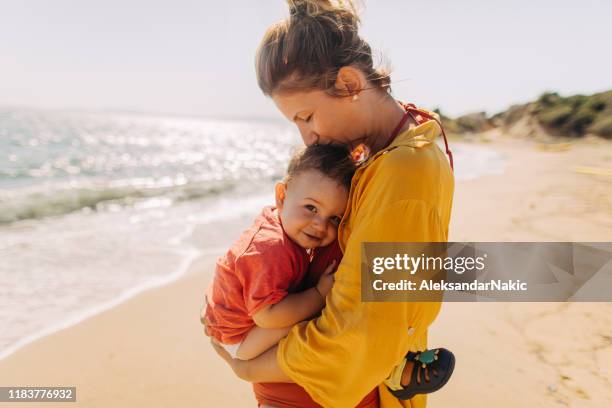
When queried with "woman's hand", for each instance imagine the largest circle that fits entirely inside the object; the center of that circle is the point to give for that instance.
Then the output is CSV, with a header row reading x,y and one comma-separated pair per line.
x,y
238,366
203,319
261,369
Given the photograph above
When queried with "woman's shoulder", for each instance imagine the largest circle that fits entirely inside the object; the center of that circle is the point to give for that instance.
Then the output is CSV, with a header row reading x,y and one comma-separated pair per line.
x,y
407,172
408,157
411,162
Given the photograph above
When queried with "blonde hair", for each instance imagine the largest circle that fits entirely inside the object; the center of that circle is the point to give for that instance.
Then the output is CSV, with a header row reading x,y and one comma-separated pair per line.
x,y
306,50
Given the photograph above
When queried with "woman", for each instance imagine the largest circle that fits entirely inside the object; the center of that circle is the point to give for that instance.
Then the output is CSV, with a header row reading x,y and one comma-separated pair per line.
x,y
320,74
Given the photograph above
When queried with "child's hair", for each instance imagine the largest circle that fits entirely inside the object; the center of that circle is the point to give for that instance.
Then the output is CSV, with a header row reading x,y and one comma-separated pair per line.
x,y
333,161
306,50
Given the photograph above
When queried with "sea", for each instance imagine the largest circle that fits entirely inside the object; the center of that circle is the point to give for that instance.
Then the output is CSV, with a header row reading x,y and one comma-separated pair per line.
x,y
96,207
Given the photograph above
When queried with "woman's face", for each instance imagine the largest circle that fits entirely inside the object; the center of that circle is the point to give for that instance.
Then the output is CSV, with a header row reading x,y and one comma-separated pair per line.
x,y
322,118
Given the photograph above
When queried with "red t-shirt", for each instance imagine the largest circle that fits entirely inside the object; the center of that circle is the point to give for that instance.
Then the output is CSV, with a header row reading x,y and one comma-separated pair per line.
x,y
260,269
290,395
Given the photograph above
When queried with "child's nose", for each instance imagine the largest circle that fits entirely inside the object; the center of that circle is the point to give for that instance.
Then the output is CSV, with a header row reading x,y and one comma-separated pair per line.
x,y
318,224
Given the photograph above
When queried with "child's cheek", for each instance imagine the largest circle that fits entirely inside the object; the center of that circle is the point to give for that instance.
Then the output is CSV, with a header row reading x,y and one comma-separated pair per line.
x,y
332,234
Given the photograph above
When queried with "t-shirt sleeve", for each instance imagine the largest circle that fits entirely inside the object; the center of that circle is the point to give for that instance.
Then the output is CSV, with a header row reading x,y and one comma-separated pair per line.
x,y
266,273
341,356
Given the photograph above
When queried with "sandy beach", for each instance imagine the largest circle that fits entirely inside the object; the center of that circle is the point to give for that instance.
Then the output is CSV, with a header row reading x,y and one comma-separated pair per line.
x,y
150,350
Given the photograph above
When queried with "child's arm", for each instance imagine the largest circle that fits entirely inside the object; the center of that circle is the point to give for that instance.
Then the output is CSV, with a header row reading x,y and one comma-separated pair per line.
x,y
259,340
292,309
298,306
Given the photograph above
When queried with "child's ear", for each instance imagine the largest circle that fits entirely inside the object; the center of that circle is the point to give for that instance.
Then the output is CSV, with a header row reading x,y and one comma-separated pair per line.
x,y
280,189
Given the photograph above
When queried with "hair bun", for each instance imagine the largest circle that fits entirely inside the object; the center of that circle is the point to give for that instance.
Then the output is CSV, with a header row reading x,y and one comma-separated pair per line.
x,y
306,50
298,8
314,8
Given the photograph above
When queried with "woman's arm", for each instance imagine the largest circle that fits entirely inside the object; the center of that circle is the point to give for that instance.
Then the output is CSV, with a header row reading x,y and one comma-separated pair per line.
x,y
264,368
295,308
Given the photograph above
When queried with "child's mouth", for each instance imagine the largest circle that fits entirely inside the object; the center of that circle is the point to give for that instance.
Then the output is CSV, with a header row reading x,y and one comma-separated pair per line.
x,y
312,237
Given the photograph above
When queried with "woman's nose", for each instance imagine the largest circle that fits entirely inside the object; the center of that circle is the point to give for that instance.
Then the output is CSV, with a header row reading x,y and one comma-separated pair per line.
x,y
308,136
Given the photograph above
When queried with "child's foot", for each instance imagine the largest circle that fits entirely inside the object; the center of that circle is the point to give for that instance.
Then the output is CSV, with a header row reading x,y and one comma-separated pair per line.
x,y
425,372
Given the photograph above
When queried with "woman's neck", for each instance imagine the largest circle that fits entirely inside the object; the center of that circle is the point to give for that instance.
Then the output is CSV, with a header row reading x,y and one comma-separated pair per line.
x,y
386,114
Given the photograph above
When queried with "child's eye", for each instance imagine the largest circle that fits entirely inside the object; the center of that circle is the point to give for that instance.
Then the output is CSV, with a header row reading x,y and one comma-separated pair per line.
x,y
335,220
311,208
308,119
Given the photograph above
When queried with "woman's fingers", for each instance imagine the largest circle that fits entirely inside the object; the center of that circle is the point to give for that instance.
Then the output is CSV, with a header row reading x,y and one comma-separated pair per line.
x,y
203,315
222,352
203,320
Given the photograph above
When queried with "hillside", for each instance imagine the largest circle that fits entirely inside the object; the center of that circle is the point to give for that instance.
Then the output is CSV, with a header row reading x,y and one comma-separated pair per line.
x,y
550,115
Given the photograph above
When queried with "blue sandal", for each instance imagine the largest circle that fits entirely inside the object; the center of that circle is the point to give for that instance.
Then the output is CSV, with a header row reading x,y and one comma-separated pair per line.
x,y
430,372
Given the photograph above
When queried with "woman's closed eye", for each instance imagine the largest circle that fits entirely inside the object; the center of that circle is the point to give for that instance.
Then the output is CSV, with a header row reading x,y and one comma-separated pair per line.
x,y
306,119
335,220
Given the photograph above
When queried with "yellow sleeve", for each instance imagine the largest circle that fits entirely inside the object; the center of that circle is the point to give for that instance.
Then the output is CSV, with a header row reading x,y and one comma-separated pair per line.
x,y
352,347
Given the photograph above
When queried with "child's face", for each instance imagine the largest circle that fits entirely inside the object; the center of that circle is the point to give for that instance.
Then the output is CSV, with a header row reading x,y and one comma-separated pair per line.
x,y
310,207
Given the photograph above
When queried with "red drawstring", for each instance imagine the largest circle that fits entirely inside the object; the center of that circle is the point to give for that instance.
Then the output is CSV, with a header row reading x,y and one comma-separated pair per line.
x,y
397,129
417,115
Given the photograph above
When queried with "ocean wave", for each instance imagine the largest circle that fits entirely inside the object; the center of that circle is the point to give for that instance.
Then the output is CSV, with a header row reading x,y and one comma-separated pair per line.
x,y
44,203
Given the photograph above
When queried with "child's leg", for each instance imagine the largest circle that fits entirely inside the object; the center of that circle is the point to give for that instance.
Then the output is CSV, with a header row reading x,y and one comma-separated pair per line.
x,y
259,340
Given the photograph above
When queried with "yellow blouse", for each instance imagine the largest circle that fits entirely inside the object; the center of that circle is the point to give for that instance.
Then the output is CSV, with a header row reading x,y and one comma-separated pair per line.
x,y
402,194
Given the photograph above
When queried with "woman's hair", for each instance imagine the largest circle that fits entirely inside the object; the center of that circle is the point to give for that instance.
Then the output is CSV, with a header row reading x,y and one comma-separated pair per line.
x,y
306,50
333,161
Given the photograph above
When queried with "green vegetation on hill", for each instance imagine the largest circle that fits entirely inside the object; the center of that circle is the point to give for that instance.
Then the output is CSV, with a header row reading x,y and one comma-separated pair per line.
x,y
576,115
572,116
470,123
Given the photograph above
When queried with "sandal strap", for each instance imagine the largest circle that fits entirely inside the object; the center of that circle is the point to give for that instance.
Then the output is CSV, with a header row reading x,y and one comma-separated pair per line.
x,y
424,358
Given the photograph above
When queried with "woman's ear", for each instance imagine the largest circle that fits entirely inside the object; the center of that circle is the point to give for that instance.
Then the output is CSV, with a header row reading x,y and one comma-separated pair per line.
x,y
280,190
350,81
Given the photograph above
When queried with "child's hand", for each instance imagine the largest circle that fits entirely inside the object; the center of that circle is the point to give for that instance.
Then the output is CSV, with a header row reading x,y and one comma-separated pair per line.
x,y
326,281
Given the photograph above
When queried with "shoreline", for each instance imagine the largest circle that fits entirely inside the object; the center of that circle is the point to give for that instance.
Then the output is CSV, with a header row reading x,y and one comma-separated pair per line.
x,y
189,244
106,306
186,240
149,347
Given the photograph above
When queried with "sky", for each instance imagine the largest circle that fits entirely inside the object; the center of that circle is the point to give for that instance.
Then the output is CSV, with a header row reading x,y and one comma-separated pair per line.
x,y
196,57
